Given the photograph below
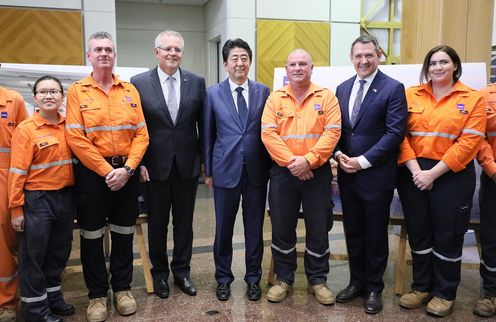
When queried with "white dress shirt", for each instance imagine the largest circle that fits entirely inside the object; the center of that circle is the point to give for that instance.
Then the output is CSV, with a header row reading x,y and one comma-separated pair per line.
x,y
234,94
162,76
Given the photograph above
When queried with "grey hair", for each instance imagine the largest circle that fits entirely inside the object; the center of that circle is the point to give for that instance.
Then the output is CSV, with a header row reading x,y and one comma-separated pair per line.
x,y
99,35
168,33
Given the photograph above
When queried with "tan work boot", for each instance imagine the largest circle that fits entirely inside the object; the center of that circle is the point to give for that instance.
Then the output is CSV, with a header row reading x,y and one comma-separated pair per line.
x,y
7,314
485,306
279,291
125,303
97,310
414,299
322,293
440,307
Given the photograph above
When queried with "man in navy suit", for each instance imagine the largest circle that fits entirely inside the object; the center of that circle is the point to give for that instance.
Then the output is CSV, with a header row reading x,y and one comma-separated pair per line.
x,y
236,164
374,112
172,100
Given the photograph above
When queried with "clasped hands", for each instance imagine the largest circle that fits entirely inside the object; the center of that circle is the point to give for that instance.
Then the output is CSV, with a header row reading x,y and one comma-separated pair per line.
x,y
347,164
300,168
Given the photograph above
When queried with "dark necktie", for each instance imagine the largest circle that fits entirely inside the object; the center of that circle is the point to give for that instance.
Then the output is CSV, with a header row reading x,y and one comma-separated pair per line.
x,y
358,102
172,99
242,108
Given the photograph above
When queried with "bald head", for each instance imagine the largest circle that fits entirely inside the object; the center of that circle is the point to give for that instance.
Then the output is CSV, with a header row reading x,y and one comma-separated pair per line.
x,y
302,52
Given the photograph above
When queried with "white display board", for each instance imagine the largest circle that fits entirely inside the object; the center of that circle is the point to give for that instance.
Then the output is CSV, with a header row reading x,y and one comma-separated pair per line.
x,y
473,75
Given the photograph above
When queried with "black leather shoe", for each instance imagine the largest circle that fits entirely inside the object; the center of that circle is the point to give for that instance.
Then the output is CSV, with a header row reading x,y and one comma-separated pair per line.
x,y
161,288
186,285
253,291
223,291
51,318
348,294
62,308
373,303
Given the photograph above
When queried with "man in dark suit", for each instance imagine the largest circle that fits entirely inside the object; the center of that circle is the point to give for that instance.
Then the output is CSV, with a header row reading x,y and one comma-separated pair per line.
x,y
374,112
172,100
236,164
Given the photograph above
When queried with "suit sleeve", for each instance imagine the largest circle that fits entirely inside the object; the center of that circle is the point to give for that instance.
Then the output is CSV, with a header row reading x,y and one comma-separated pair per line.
x,y
140,140
201,120
209,133
396,123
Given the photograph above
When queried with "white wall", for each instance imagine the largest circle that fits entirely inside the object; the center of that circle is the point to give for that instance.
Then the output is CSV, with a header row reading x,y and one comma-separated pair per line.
x,y
139,24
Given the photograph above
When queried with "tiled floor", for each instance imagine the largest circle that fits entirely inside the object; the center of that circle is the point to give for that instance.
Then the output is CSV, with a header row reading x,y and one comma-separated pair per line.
x,y
298,307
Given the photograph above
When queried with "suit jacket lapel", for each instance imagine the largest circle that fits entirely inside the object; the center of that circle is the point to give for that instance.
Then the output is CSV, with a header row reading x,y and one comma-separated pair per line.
x,y
157,89
225,92
372,93
252,100
184,90
345,115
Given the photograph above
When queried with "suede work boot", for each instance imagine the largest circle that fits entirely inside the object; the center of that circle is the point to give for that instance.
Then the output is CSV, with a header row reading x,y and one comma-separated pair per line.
x,y
415,299
7,314
322,293
440,307
279,291
125,303
485,306
97,310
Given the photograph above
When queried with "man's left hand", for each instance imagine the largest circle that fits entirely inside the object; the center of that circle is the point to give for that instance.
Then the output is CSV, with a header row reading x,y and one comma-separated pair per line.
x,y
353,162
299,166
116,179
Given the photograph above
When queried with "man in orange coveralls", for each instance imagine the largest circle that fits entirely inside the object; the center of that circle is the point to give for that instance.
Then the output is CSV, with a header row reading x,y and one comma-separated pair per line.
x,y
301,125
486,306
106,130
12,112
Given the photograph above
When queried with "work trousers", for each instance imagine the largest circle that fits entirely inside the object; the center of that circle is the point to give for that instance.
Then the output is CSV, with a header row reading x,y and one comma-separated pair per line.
x,y
487,203
44,248
97,205
436,222
287,195
8,248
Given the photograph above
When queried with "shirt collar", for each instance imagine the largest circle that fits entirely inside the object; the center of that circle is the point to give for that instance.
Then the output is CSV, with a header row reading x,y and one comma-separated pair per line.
x,y
369,78
163,75
233,85
40,120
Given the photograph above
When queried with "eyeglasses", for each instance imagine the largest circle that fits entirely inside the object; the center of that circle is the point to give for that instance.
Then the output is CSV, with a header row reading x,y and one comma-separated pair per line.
x,y
172,49
45,92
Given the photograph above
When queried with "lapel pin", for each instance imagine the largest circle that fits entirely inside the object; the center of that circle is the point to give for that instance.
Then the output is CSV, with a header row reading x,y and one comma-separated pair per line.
x,y
374,90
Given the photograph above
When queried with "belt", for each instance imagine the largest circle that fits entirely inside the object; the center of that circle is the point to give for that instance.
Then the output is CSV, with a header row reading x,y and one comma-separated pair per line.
x,y
117,160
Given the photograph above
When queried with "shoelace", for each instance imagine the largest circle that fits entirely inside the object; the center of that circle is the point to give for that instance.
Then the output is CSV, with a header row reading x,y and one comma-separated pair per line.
x,y
223,287
97,301
492,299
125,293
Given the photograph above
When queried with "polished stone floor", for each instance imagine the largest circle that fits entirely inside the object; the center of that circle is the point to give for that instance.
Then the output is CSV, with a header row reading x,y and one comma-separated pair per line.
x,y
300,306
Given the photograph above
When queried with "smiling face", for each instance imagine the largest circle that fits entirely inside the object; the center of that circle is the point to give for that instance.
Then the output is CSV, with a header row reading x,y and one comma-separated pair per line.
x,y
365,59
169,53
101,53
441,68
299,68
48,97
238,65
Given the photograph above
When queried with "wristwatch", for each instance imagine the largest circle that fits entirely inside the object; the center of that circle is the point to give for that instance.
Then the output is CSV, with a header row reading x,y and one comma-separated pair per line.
x,y
129,171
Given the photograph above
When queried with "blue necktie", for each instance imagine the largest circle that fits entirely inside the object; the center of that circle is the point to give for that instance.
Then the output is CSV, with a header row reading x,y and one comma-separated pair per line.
x,y
242,108
358,103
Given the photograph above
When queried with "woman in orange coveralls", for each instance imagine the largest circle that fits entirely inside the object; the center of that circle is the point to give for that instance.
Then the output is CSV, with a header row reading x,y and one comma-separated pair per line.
x,y
41,203
436,182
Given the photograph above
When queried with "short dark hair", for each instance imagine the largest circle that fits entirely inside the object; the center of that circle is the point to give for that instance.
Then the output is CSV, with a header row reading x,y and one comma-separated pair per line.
x,y
233,43
365,39
424,73
47,77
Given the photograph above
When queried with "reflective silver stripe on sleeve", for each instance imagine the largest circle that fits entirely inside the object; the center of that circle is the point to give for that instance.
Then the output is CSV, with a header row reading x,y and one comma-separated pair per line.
x,y
92,234
491,133
471,131
5,150
284,251
446,259
53,289
439,134
491,269
113,128
269,125
18,171
34,299
422,252
140,125
332,126
50,164
300,136
309,252
124,230
74,126
8,278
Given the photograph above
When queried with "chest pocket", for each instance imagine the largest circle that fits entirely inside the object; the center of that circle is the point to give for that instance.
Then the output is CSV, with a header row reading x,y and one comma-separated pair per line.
x,y
417,120
46,142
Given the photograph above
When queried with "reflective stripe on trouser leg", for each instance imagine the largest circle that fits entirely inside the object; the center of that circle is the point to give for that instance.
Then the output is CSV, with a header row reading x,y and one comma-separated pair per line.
x,y
9,278
487,204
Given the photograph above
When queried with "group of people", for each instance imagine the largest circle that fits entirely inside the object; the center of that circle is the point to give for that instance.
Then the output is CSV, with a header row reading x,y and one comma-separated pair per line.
x,y
165,129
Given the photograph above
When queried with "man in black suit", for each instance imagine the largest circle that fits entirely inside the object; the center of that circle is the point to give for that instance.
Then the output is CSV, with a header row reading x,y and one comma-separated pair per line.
x,y
172,100
374,112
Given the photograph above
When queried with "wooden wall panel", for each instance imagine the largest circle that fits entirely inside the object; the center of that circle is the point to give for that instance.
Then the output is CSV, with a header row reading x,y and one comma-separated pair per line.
x,y
277,38
38,36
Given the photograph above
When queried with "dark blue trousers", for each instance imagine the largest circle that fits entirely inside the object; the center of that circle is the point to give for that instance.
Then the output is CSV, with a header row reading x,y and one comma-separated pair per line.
x,y
487,203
